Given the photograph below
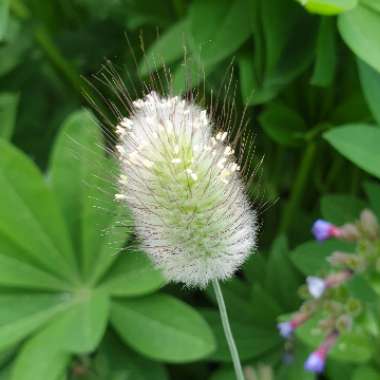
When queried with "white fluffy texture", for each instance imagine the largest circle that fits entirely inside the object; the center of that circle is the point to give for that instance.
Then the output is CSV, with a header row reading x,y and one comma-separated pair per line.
x,y
184,189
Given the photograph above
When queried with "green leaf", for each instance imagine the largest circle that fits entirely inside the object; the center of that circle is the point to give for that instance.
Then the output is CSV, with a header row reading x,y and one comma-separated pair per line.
x,y
236,295
310,257
326,54
218,28
115,358
374,4
133,274
8,109
365,373
340,209
80,328
169,48
16,273
21,314
190,74
359,143
276,24
251,341
31,226
373,193
266,308
360,29
83,181
4,14
163,328
328,7
370,81
282,124
354,346
282,280
39,359
361,289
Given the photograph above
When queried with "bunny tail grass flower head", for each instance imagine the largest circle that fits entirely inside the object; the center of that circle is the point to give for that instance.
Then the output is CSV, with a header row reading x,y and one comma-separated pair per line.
x,y
185,190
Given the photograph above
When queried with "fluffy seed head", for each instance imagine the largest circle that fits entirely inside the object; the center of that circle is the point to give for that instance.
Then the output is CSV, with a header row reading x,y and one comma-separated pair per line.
x,y
184,189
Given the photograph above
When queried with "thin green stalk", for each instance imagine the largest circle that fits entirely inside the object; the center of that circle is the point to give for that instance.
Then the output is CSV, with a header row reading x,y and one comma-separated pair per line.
x,y
299,186
227,331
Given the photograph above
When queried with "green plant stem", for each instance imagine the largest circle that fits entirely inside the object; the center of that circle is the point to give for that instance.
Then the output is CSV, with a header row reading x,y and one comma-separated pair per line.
x,y
227,330
299,186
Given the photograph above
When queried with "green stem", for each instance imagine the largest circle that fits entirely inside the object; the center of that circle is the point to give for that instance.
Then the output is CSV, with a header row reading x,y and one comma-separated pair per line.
x,y
299,186
227,331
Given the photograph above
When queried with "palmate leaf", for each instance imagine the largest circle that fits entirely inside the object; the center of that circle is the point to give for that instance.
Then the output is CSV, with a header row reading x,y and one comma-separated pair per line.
x,y
133,274
31,226
16,273
163,328
22,313
84,181
77,330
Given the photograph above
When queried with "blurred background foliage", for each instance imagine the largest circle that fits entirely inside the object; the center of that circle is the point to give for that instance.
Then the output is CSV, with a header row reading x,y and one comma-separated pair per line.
x,y
308,74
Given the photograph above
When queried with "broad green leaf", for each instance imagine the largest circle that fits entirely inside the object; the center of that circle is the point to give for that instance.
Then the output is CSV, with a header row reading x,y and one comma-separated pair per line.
x,y
133,274
30,218
370,81
310,258
39,359
114,357
163,328
282,124
169,48
328,7
21,314
251,340
340,209
354,346
80,328
218,28
4,14
359,143
282,280
19,274
360,29
8,108
83,180
373,193
326,54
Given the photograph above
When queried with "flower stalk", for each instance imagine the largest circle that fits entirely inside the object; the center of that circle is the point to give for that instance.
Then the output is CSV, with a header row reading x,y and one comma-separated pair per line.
x,y
227,331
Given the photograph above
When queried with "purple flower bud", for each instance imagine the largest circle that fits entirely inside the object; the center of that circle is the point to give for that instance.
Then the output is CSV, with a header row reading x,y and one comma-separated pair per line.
x,y
323,230
316,286
286,329
315,362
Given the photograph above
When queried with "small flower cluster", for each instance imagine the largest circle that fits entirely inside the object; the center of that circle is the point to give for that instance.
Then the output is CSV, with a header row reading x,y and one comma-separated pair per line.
x,y
326,297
